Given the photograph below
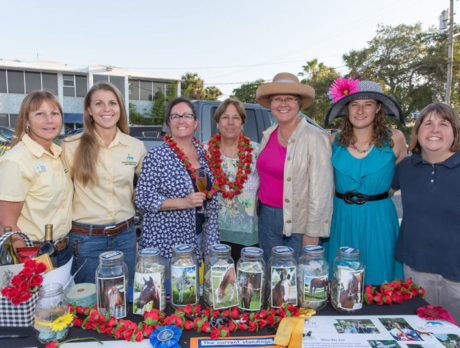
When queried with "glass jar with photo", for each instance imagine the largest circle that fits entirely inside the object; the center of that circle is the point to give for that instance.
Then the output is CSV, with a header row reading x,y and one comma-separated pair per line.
x,y
112,284
149,281
220,278
282,277
251,279
347,280
184,276
312,278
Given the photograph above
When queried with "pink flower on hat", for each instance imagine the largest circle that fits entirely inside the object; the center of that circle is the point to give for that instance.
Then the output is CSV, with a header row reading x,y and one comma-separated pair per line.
x,y
342,87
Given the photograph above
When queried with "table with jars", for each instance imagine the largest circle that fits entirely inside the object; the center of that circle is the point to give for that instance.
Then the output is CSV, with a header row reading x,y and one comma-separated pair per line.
x,y
251,285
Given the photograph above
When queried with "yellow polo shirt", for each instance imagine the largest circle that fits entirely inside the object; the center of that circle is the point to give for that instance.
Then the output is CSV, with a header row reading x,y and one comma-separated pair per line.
x,y
30,174
110,200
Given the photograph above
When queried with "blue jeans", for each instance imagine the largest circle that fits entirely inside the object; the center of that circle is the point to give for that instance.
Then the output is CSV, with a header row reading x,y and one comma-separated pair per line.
x,y
86,250
271,232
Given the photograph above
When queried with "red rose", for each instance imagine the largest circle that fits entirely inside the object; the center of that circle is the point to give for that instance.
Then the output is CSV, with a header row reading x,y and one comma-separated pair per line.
x,y
263,313
102,327
36,280
53,344
16,280
261,323
398,298
188,325
294,310
147,330
388,299
252,326
118,333
378,298
406,294
30,264
241,326
281,312
25,295
226,313
235,312
195,322
112,321
40,267
224,331
16,300
26,273
77,322
139,336
128,334
270,320
272,311
205,327
245,316
215,313
368,297
214,333
231,325
207,312
421,292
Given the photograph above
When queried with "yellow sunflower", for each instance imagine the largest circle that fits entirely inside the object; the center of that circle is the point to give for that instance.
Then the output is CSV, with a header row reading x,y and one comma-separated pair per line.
x,y
62,322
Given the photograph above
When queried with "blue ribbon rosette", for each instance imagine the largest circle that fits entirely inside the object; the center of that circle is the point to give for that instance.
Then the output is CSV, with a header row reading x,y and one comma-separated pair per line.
x,y
166,337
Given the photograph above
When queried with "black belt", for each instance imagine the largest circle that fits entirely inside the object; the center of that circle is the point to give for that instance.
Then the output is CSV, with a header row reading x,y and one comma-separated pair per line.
x,y
351,197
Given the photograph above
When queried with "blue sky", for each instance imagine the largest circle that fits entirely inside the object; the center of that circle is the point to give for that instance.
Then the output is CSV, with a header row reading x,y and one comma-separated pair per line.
x,y
225,42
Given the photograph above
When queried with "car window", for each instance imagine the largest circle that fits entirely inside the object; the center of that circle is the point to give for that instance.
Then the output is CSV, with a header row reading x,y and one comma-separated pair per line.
x,y
6,133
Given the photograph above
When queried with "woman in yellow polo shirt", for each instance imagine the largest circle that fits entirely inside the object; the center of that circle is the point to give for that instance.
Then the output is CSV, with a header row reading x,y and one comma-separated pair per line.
x,y
35,187
103,161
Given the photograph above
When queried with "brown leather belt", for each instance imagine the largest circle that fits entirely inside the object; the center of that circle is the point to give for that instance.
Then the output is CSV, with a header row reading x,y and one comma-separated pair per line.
x,y
109,230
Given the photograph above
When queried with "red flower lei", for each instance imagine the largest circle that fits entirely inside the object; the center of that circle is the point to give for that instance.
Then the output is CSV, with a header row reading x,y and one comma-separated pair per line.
x,y
243,167
188,165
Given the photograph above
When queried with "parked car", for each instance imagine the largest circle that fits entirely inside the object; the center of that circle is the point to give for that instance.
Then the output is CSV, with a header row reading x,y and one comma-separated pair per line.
x,y
6,134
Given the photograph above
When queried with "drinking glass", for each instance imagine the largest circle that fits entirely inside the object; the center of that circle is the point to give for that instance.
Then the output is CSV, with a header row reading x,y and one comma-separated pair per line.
x,y
201,183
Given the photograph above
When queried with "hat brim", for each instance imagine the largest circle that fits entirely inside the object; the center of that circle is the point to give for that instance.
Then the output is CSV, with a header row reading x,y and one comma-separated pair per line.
x,y
390,106
305,92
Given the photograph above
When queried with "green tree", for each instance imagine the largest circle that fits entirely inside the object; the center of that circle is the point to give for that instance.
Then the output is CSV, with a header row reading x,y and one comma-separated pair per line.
x,y
171,92
158,109
320,77
212,93
136,117
246,93
192,86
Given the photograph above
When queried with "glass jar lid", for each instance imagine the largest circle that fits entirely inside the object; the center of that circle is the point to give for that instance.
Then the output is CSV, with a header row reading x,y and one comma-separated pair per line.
x,y
282,250
252,251
183,248
111,255
348,252
149,252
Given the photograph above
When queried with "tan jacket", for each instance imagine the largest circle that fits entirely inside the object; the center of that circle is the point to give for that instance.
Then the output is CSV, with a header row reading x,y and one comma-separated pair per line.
x,y
308,181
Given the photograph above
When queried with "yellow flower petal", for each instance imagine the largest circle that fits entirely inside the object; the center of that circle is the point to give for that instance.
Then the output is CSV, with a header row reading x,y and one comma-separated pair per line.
x,y
62,322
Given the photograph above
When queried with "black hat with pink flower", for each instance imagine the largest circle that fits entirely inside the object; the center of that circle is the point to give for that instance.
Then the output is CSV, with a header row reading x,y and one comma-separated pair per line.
x,y
344,90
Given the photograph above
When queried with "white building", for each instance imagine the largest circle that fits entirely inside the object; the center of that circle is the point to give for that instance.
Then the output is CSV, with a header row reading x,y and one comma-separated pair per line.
x,y
70,84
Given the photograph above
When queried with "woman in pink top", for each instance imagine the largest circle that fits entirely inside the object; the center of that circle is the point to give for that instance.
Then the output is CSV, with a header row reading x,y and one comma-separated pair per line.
x,y
296,180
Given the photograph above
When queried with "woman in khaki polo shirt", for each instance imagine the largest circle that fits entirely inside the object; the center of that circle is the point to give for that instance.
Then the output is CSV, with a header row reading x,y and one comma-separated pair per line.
x,y
35,187
103,161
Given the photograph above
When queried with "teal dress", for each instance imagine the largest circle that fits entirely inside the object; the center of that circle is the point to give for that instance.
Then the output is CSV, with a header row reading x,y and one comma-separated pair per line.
x,y
373,226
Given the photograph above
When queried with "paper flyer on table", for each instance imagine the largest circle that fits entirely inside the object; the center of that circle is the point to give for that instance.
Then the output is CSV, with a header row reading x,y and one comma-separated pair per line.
x,y
391,331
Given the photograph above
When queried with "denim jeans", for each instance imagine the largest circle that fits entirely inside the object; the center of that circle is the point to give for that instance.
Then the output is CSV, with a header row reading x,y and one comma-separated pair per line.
x,y
64,255
271,232
87,248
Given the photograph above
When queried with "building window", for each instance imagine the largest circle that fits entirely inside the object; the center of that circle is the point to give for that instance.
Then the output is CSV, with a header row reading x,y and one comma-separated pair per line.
x,y
4,121
118,81
49,82
74,85
133,89
33,81
2,81
15,81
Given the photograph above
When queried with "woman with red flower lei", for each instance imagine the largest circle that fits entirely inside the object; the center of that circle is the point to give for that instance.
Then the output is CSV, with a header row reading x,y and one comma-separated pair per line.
x,y
232,158
167,190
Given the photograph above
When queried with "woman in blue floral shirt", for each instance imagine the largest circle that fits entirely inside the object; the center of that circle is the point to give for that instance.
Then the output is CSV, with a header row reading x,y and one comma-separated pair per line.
x,y
167,192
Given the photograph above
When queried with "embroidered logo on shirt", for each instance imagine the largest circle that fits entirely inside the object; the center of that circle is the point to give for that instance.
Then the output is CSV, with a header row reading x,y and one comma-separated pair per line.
x,y
129,161
40,167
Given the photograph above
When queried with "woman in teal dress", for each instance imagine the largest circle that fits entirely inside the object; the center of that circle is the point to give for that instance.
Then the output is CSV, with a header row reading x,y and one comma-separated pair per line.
x,y
364,155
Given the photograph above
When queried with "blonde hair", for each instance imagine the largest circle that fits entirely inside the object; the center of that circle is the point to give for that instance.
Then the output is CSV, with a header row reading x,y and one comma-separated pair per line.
x,y
31,103
86,154
442,110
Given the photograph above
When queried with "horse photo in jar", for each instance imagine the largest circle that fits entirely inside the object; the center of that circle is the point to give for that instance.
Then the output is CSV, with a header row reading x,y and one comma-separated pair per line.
x,y
350,289
315,289
283,286
224,286
249,290
147,293
183,280
111,297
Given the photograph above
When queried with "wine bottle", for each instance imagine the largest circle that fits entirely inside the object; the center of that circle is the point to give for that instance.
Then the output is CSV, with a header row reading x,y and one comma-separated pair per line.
x,y
47,246
6,254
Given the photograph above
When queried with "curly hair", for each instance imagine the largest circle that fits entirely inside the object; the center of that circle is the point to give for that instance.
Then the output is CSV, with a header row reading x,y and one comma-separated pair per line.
x,y
381,133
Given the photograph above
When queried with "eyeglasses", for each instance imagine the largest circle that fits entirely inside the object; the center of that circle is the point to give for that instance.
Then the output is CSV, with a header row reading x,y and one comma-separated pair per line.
x,y
173,117
287,100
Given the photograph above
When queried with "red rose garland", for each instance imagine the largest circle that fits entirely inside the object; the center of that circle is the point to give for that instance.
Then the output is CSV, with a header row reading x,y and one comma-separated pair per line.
x,y
397,291
243,167
188,166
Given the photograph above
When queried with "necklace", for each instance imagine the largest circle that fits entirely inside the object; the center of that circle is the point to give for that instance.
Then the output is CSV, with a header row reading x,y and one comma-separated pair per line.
x,y
353,146
186,162
243,166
